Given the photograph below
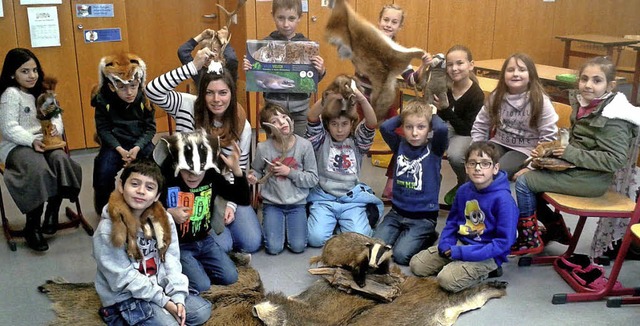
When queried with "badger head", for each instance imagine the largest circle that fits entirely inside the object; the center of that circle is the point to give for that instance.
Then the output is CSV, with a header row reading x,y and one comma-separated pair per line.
x,y
378,254
193,151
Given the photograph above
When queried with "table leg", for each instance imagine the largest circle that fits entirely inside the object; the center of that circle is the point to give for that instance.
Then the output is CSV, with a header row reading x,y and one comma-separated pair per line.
x,y
636,79
567,52
610,53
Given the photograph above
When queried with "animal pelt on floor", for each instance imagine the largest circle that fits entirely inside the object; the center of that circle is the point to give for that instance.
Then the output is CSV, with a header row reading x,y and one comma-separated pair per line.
x,y
373,54
232,304
422,302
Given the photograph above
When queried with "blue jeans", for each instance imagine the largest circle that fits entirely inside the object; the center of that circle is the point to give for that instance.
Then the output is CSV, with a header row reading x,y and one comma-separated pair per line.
x,y
526,198
105,168
282,222
406,235
325,215
205,263
143,313
243,234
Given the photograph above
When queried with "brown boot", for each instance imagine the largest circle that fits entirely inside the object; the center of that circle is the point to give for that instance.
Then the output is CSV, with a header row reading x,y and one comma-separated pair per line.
x,y
528,241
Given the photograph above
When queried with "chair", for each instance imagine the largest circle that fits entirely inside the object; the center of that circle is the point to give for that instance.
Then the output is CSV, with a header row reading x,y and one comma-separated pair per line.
x,y
75,218
610,205
615,302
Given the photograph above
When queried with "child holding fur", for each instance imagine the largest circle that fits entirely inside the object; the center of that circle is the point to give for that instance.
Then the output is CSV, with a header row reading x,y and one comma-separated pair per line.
x,y
603,126
390,22
203,261
286,16
286,166
135,246
340,198
215,109
480,228
230,57
410,224
125,121
33,176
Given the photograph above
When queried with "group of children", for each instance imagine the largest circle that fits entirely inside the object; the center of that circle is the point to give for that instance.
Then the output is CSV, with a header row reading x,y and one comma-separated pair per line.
x,y
153,262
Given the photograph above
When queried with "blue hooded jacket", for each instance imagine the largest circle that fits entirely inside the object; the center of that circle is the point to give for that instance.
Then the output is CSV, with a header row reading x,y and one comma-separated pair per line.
x,y
484,221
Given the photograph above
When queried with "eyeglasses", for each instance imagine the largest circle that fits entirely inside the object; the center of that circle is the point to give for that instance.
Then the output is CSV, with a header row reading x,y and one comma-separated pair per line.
x,y
483,164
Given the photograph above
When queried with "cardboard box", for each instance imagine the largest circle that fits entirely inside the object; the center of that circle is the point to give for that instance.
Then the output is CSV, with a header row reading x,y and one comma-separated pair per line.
x,y
282,66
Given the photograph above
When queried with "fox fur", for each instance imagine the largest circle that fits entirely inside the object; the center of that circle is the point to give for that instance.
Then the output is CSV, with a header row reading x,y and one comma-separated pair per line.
x,y
153,222
373,54
343,85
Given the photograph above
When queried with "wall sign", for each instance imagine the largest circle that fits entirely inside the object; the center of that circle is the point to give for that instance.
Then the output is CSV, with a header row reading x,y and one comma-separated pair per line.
x,y
94,10
102,35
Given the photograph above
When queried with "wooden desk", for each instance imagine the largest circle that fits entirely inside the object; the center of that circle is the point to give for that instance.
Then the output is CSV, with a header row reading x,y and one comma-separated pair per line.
x,y
636,75
607,42
487,84
546,73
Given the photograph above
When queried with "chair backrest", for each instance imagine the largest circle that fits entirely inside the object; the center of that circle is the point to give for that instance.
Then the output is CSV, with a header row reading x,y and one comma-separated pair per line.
x,y
564,114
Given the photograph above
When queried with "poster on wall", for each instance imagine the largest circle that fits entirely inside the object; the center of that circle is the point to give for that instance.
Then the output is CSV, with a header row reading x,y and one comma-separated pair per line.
x,y
44,27
40,2
95,10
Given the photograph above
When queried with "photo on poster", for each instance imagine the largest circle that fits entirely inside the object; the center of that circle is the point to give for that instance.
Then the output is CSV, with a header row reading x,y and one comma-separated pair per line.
x,y
282,66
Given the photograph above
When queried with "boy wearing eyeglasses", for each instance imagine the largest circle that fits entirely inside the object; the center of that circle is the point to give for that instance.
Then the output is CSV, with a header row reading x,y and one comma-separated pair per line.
x,y
480,228
125,122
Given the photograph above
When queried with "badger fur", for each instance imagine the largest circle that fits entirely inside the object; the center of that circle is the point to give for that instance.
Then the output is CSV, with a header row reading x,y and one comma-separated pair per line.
x,y
356,252
194,151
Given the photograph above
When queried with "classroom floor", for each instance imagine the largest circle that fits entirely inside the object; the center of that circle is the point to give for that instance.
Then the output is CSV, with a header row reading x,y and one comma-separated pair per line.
x,y
528,301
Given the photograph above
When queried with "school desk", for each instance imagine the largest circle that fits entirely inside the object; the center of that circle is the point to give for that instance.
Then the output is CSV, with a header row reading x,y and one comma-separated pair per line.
x,y
607,42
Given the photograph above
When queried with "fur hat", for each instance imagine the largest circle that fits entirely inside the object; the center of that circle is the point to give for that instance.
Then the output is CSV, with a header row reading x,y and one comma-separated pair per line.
x,y
122,68
193,151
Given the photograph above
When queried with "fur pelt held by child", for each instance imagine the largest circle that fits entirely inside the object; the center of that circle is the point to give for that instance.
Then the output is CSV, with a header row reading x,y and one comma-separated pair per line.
x,y
372,53
434,81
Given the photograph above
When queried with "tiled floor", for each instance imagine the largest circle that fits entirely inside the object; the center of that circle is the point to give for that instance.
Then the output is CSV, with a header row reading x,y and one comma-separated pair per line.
x,y
528,302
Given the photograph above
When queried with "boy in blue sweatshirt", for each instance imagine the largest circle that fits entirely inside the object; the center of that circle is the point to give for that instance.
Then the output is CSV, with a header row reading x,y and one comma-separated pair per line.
x,y
410,225
480,228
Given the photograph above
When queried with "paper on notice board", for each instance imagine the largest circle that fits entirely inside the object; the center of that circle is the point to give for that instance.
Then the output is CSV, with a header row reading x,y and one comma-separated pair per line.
x,y
1,10
44,27
40,2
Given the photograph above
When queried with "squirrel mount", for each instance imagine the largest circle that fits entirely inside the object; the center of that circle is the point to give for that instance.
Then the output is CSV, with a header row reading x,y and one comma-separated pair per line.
x,y
434,81
48,108
545,159
220,40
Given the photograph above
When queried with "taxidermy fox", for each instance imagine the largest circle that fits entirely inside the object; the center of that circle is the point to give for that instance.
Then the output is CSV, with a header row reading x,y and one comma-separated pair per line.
x,y
372,53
